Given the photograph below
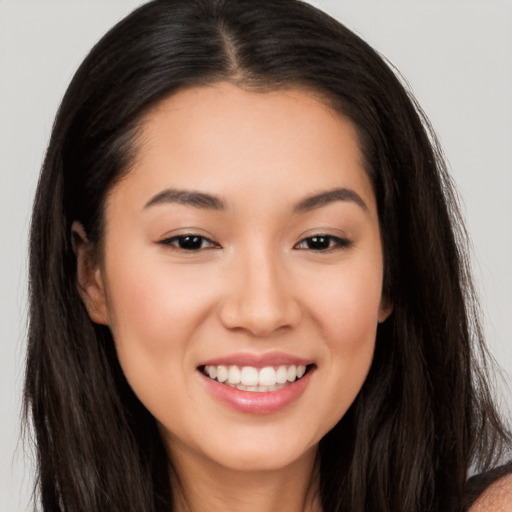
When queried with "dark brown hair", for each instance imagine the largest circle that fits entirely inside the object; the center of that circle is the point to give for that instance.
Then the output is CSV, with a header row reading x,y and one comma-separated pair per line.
x,y
424,414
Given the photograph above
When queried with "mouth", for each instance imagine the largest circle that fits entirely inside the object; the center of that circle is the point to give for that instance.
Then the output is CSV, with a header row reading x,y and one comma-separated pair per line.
x,y
253,379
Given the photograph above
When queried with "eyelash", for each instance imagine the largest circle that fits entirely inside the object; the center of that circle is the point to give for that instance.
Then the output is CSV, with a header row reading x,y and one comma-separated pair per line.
x,y
179,243
334,243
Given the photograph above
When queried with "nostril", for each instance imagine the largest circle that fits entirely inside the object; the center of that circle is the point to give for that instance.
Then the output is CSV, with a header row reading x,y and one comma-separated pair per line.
x,y
260,321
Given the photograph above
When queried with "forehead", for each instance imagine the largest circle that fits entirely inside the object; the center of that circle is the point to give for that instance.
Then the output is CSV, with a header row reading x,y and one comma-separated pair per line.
x,y
222,139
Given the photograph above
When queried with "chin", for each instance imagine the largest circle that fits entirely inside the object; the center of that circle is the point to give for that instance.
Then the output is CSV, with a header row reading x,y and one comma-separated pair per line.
x,y
263,454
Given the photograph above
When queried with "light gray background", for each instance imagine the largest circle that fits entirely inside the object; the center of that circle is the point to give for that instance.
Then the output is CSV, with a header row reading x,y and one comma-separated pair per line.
x,y
457,56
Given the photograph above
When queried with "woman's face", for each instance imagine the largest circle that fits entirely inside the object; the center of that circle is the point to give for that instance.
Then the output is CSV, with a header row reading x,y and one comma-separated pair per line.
x,y
244,244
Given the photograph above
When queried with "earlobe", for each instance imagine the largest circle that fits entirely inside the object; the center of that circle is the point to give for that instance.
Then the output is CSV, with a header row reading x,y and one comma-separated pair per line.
x,y
385,309
89,278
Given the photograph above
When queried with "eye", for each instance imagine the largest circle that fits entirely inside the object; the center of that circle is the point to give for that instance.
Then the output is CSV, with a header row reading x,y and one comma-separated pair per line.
x,y
190,242
323,242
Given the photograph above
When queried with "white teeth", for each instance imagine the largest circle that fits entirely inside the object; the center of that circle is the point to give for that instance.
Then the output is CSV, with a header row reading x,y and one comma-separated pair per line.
x,y
291,373
233,375
267,376
222,374
281,375
249,378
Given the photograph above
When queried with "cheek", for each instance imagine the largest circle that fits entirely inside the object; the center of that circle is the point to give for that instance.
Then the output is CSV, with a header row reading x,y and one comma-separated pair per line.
x,y
152,303
348,317
353,314
347,304
154,314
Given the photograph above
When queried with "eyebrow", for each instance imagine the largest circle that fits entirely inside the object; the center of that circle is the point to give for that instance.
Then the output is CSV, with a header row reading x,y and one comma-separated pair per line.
x,y
187,198
327,197
211,202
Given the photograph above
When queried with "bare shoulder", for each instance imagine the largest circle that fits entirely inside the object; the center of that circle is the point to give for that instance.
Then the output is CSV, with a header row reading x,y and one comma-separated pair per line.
x,y
496,498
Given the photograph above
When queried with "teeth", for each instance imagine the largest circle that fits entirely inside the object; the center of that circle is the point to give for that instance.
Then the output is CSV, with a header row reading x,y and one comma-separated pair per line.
x,y
222,374
267,376
281,375
234,375
249,378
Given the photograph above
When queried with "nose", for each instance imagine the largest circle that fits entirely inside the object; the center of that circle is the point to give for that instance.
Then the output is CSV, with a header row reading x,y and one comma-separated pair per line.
x,y
260,299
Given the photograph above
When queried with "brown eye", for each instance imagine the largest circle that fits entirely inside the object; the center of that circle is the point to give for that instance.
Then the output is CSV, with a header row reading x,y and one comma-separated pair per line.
x,y
189,242
322,243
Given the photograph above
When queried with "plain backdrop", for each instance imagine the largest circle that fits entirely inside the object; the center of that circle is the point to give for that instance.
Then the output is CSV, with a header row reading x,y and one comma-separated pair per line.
x,y
456,55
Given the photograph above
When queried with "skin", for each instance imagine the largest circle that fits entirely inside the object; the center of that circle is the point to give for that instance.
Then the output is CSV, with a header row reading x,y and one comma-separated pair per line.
x,y
256,286
496,498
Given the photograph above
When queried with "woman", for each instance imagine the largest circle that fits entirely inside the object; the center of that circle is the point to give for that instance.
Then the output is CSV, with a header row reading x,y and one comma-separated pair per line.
x,y
246,287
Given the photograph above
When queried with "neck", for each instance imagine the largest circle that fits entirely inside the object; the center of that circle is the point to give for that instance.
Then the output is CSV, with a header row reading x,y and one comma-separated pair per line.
x,y
200,484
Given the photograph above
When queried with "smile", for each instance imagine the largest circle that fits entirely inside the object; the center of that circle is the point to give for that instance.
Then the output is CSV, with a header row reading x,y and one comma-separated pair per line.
x,y
250,378
257,383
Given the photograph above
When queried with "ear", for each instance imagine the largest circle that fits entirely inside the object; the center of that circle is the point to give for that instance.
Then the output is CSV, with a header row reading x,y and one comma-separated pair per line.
x,y
89,279
385,309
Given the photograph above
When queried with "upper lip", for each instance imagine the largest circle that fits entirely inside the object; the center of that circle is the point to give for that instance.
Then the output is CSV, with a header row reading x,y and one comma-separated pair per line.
x,y
257,360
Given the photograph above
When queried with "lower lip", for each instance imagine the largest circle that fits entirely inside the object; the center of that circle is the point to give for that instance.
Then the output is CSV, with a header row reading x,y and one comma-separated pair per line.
x,y
254,402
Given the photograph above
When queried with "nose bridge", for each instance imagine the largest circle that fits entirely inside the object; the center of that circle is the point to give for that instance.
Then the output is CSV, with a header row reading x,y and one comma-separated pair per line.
x,y
260,299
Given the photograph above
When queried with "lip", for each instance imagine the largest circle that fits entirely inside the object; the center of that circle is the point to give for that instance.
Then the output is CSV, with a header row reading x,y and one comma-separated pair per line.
x,y
258,403
257,360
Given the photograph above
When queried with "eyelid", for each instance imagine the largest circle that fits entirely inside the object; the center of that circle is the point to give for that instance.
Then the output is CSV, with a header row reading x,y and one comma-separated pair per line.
x,y
341,242
168,241
336,241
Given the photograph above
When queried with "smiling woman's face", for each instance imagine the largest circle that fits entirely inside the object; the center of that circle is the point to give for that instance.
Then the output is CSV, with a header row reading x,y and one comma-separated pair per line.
x,y
244,244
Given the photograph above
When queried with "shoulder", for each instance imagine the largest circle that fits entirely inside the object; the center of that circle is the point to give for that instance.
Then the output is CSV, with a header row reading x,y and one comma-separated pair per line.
x,y
496,498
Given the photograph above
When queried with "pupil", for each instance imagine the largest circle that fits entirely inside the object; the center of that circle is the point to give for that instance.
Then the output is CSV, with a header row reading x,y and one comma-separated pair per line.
x,y
190,242
318,242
